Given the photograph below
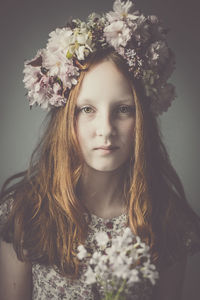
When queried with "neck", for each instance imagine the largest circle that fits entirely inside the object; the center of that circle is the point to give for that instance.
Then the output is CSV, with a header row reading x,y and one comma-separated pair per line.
x,y
102,192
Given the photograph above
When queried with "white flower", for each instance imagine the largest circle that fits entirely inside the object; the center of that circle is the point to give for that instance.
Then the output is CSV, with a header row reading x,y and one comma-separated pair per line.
x,y
83,35
123,259
121,51
55,62
42,87
57,100
37,85
124,240
102,264
133,276
59,40
32,73
66,42
115,263
31,76
90,276
102,239
56,88
120,11
59,65
95,258
121,271
53,72
82,252
112,251
81,44
80,52
149,271
142,248
117,34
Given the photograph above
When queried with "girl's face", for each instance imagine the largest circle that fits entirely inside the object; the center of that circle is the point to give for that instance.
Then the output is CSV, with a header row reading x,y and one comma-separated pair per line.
x,y
105,118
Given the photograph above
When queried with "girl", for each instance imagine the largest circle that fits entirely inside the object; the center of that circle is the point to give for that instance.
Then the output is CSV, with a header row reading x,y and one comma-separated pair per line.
x,y
100,165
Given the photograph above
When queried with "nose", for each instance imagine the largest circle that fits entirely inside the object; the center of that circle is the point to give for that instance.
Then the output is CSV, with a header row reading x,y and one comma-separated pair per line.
x,y
105,125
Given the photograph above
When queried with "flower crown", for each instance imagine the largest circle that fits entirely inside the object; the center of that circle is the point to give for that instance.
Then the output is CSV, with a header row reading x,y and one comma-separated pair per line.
x,y
140,40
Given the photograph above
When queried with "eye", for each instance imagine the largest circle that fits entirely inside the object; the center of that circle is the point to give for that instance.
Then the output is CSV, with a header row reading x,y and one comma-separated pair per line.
x,y
124,109
86,109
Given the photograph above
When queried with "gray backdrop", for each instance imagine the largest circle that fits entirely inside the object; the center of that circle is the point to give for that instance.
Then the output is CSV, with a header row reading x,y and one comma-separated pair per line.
x,y
24,29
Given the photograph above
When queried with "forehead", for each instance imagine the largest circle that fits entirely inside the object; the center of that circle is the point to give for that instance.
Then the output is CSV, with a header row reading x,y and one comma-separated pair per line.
x,y
104,81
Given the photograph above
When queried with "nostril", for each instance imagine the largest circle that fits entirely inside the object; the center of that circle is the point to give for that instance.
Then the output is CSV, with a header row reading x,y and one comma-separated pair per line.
x,y
105,131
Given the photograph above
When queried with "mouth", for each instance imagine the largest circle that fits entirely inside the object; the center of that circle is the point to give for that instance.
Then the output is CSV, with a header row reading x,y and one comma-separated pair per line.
x,y
106,150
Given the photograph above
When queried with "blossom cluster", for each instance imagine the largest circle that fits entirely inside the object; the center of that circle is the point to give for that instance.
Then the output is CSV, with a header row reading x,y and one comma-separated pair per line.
x,y
114,265
140,40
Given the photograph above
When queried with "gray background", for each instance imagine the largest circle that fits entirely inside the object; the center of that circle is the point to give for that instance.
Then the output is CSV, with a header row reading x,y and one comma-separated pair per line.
x,y
24,28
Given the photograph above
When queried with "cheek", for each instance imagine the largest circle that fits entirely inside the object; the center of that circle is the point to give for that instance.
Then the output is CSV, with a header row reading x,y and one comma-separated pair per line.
x,y
127,129
127,134
83,133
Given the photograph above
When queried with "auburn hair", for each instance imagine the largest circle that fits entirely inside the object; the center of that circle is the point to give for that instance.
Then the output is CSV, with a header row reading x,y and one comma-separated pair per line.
x,y
47,223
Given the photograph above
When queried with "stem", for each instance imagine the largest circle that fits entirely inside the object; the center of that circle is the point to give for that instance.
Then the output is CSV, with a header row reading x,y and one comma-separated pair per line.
x,y
110,296
121,289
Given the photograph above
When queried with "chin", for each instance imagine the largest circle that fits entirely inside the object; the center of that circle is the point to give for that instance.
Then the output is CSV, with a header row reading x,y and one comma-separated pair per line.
x,y
105,168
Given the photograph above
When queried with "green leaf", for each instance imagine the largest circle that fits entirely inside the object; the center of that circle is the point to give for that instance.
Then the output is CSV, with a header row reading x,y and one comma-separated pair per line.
x,y
69,55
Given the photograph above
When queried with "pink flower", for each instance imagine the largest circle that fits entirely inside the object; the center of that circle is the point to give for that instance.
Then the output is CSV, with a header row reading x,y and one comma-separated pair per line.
x,y
59,39
117,34
120,11
58,65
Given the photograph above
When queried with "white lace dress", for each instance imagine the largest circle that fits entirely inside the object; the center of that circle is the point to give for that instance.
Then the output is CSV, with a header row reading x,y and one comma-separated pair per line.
x,y
49,284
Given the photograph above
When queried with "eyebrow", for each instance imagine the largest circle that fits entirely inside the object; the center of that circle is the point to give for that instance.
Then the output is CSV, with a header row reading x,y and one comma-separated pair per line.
x,y
122,100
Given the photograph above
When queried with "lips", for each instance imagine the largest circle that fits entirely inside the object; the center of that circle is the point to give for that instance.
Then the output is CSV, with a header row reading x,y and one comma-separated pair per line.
x,y
107,147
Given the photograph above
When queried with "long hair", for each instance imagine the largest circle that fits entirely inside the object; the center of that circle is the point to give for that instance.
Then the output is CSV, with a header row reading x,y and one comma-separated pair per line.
x,y
47,218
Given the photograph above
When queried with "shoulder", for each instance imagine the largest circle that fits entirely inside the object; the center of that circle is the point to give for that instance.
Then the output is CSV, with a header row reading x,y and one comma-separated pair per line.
x,y
15,275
